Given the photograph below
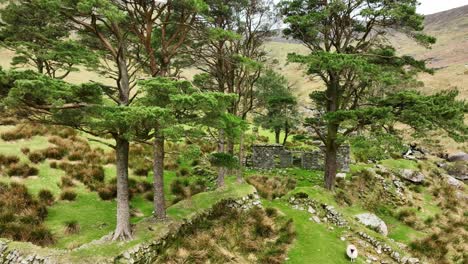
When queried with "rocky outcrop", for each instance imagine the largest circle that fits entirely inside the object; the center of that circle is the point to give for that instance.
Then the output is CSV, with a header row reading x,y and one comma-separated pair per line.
x,y
374,222
412,176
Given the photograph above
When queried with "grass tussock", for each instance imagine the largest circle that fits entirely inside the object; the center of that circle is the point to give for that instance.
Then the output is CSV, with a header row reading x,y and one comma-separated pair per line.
x,y
272,187
232,236
184,189
24,132
6,160
22,216
21,170
68,195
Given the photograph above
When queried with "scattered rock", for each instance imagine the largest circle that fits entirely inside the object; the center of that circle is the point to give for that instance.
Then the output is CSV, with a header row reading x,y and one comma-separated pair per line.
x,y
341,175
453,182
461,156
412,176
311,210
374,222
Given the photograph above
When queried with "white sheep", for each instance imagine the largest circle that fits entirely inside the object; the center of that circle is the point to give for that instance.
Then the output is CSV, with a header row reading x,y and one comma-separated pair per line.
x,y
352,252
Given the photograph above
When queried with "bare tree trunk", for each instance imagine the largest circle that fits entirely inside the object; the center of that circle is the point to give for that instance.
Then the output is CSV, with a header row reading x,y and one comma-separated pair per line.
x,y
240,171
277,135
221,170
123,228
158,171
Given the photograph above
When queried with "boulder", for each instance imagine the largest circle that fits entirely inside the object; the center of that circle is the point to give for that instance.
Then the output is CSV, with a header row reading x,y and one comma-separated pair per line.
x,y
374,222
461,156
341,175
412,176
458,169
453,182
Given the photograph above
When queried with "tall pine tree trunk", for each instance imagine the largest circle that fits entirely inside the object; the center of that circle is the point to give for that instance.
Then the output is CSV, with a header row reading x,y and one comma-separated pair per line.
x,y
123,228
221,170
331,145
286,133
159,198
277,135
240,171
158,183
330,164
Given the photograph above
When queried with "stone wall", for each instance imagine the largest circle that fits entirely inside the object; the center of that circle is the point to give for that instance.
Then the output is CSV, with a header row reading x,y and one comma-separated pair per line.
x,y
13,256
271,156
276,156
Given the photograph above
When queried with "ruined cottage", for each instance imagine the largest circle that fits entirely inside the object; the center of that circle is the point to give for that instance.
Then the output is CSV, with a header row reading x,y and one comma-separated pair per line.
x,y
277,156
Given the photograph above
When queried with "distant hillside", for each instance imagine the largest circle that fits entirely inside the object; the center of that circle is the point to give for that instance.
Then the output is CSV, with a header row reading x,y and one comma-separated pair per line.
x,y
449,56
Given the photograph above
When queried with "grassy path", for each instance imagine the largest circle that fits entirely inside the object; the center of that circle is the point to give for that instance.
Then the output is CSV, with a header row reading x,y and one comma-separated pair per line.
x,y
314,243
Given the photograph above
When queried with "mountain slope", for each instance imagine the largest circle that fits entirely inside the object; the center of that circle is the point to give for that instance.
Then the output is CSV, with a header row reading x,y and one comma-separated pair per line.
x,y
449,56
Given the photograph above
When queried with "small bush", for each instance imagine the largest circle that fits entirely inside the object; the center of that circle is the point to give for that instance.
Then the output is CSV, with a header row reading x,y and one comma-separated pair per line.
x,y
21,170
36,157
149,196
8,160
142,171
25,151
184,171
46,196
107,193
54,153
75,156
68,195
66,182
72,227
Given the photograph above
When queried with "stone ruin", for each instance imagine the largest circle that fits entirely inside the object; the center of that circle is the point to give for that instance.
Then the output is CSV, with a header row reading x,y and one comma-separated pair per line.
x,y
277,156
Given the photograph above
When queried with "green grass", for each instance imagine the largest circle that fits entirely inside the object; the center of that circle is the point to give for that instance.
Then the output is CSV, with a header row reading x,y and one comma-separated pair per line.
x,y
396,164
95,217
314,242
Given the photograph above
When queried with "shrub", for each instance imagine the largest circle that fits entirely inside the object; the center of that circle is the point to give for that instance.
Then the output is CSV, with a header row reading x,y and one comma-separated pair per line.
x,y
72,227
66,182
184,171
149,196
8,160
41,236
21,170
21,216
107,193
36,157
54,153
75,156
271,212
142,170
68,195
25,151
46,196
53,165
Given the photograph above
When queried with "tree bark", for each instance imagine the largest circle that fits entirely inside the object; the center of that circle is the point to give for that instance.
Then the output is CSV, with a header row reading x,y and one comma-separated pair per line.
x,y
286,133
277,135
221,170
158,184
330,165
331,146
240,171
123,228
